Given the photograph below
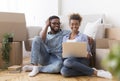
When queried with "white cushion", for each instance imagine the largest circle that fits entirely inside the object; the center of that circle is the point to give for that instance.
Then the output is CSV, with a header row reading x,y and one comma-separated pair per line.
x,y
95,29
33,31
100,31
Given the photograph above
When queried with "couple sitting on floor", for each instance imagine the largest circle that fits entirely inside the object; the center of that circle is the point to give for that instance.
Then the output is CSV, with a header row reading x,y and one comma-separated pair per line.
x,y
47,51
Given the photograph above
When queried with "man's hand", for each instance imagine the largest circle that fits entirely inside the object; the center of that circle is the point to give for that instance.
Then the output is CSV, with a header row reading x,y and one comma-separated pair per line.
x,y
43,33
47,23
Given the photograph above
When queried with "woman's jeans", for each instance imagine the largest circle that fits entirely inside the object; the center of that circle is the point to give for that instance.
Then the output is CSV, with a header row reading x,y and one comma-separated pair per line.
x,y
76,67
51,63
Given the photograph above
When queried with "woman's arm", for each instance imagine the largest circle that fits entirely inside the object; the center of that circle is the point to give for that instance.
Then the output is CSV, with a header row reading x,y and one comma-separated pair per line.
x,y
86,39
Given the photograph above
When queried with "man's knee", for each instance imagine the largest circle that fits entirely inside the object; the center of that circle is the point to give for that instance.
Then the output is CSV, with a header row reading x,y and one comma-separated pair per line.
x,y
37,39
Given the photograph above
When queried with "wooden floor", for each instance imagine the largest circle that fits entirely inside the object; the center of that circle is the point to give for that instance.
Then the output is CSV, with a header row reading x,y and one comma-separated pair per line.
x,y
23,76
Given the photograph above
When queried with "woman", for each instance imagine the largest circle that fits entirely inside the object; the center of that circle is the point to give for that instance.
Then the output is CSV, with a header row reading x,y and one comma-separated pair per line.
x,y
74,66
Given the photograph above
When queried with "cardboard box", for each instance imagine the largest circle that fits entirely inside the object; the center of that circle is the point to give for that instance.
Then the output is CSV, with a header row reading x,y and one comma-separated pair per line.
x,y
16,54
113,42
106,43
113,33
13,23
103,47
15,69
100,55
102,43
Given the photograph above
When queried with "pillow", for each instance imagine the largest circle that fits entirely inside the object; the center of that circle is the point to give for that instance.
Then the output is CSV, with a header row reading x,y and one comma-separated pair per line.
x,y
94,29
100,32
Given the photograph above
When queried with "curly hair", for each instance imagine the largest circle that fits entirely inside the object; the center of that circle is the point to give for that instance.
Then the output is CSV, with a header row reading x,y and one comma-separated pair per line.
x,y
75,16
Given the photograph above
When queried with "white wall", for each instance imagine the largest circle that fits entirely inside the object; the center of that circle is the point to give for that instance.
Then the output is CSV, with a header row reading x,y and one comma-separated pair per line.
x,y
39,10
108,7
36,11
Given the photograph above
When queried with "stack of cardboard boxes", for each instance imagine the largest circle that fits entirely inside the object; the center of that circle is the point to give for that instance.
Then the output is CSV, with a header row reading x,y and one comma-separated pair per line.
x,y
13,23
103,46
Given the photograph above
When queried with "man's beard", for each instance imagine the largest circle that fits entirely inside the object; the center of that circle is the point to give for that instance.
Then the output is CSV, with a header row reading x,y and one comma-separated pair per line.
x,y
55,30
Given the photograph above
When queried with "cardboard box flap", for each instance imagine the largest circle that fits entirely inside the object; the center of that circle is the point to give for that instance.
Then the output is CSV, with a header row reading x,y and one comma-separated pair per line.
x,y
12,17
13,23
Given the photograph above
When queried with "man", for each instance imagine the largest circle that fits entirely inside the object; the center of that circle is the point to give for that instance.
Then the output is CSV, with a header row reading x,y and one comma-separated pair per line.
x,y
47,49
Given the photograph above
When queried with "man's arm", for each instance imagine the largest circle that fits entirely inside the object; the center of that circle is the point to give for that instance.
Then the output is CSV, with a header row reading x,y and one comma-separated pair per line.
x,y
43,33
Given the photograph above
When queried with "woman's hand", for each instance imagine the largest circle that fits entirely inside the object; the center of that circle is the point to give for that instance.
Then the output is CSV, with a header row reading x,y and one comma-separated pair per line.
x,y
88,56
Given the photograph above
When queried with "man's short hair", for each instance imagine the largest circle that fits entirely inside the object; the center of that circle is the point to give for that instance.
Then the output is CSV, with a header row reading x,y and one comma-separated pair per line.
x,y
53,17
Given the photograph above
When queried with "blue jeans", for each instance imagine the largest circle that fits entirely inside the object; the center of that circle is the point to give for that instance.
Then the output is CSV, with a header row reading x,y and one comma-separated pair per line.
x,y
52,63
76,67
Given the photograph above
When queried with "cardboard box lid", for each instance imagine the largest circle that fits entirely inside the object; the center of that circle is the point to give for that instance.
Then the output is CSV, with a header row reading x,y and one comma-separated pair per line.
x,y
13,23
14,67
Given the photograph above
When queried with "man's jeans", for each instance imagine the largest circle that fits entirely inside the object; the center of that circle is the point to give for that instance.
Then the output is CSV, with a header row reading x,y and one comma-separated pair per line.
x,y
76,67
51,63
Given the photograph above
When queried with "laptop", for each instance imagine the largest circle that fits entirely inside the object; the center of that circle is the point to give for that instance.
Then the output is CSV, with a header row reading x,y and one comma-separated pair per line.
x,y
74,49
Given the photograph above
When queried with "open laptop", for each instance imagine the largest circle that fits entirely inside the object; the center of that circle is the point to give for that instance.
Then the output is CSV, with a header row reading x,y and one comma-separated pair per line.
x,y
74,49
